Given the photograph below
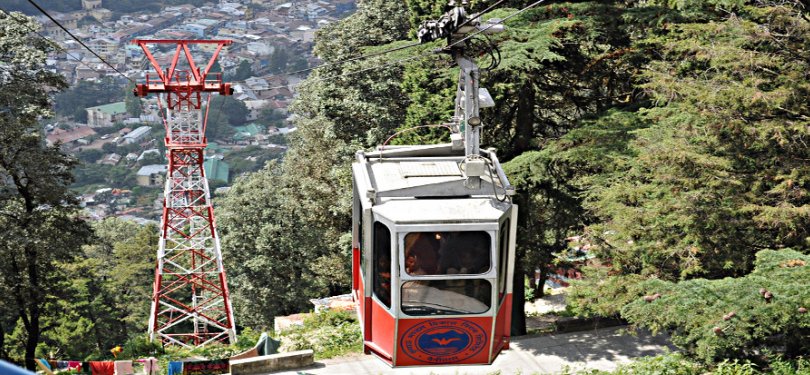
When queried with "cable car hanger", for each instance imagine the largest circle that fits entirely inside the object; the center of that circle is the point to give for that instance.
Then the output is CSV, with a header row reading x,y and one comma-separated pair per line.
x,y
459,28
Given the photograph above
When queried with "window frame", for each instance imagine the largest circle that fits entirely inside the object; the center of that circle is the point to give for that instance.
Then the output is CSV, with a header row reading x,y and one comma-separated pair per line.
x,y
402,230
504,234
491,276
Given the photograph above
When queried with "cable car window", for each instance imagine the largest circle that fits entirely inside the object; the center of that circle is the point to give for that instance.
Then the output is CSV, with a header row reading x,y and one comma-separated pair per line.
x,y
503,257
447,253
382,263
446,297
360,246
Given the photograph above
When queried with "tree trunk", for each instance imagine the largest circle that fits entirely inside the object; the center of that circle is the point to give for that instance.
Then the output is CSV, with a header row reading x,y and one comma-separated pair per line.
x,y
539,291
31,342
518,300
524,122
3,354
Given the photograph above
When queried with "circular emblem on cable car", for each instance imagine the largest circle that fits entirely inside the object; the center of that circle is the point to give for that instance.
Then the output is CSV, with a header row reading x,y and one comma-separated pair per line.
x,y
443,340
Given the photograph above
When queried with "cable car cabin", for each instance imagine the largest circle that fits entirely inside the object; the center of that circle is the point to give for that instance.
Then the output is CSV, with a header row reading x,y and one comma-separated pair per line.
x,y
432,257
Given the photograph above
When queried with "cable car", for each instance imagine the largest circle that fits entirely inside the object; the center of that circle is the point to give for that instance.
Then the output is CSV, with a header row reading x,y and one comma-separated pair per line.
x,y
432,259
434,243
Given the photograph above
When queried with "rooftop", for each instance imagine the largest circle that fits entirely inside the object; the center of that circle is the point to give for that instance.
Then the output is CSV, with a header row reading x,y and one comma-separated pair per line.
x,y
148,170
138,132
111,109
66,136
216,169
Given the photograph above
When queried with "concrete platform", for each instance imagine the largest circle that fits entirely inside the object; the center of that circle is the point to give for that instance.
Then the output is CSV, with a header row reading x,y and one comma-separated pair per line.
x,y
602,349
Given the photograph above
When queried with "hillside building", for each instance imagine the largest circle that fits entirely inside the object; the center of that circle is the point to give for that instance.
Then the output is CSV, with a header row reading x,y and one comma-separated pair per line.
x,y
106,115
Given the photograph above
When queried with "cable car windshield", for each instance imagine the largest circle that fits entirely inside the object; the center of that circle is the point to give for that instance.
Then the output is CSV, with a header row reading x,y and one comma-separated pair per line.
x,y
447,253
446,297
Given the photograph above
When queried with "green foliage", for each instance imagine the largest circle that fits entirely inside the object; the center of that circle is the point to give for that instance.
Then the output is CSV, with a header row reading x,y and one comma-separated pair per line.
x,y
140,347
73,102
109,292
328,333
279,60
733,317
679,364
224,113
666,364
243,71
132,102
269,254
38,214
90,156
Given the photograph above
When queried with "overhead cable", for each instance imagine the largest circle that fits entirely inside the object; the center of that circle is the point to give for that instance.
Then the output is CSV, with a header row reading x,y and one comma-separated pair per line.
x,y
361,57
63,49
79,40
479,14
351,73
493,24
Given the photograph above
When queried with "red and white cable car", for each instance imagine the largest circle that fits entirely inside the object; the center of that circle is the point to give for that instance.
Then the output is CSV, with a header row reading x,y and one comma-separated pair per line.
x,y
434,245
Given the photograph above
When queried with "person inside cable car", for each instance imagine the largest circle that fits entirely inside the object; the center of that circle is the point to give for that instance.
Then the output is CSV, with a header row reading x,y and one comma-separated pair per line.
x,y
421,254
445,253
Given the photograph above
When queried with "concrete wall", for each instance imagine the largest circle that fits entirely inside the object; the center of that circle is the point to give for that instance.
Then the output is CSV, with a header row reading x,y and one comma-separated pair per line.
x,y
270,363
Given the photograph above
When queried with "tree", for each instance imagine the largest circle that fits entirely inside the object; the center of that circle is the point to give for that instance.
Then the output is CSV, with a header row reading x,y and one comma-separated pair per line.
x,y
90,156
73,101
762,314
243,71
278,60
132,102
706,181
270,116
275,262
225,113
37,211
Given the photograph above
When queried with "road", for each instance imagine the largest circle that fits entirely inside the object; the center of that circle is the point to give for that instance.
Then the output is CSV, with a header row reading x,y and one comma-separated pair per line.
x,y
602,349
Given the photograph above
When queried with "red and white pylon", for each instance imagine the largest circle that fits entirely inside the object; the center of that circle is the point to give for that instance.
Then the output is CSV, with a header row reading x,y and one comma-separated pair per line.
x,y
190,303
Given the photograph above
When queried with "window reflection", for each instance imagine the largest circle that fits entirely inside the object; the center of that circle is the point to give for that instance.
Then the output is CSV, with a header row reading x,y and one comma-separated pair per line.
x,y
382,263
447,253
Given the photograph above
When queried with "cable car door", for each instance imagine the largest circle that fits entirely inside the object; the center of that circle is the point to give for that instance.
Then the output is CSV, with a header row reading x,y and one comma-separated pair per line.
x,y
381,319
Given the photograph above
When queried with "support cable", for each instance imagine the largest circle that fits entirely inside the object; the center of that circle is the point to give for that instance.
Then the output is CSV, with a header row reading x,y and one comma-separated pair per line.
x,y
361,57
481,13
79,40
491,25
45,38
335,76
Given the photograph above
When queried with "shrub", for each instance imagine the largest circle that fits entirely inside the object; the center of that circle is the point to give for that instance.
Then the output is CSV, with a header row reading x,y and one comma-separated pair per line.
x,y
328,333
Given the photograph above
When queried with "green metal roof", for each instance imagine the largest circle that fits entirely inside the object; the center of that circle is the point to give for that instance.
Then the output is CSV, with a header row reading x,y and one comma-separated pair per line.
x,y
250,129
214,147
112,108
216,169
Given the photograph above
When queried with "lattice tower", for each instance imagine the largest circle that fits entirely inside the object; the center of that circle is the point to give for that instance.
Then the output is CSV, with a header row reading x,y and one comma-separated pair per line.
x,y
190,303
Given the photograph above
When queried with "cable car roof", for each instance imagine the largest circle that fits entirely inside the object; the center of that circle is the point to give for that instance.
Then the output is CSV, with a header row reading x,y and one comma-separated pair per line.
x,y
417,172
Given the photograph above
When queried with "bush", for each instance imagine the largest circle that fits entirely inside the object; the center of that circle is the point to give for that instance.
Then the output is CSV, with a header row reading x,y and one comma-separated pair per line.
x,y
329,334
678,364
140,347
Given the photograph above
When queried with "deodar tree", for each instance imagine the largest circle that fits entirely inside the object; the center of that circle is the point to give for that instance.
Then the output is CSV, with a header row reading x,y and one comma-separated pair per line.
x,y
38,214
